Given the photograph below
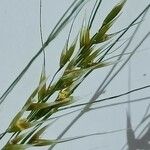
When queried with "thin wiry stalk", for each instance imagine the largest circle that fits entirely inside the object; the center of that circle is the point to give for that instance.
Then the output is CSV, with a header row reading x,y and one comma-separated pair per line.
x,y
88,135
120,103
93,98
3,134
41,33
108,98
98,107
94,12
129,86
125,54
54,77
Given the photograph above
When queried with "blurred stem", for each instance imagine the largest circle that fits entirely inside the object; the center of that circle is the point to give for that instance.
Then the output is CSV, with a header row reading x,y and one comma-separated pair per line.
x,y
41,32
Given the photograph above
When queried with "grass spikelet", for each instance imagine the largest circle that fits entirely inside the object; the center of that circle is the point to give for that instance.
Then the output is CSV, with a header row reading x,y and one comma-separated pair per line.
x,y
113,13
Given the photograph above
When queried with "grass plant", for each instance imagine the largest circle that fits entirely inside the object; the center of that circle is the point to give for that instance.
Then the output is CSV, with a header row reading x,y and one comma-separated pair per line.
x,y
80,57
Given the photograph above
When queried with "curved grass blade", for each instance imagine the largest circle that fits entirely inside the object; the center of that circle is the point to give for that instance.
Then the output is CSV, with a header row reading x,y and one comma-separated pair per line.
x,y
94,12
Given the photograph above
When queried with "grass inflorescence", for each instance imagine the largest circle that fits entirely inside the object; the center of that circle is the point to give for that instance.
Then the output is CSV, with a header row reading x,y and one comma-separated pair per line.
x,y
78,59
